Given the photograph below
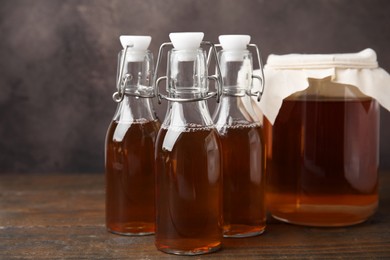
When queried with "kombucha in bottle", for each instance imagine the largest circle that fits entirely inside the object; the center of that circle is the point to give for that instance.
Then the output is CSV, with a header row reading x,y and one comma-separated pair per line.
x,y
241,136
129,154
187,156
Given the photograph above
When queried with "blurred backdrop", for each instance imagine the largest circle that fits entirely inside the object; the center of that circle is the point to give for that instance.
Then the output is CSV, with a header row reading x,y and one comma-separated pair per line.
x,y
58,62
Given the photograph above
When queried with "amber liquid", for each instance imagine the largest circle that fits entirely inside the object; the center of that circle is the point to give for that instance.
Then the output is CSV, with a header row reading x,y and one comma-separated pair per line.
x,y
243,179
188,191
322,159
130,178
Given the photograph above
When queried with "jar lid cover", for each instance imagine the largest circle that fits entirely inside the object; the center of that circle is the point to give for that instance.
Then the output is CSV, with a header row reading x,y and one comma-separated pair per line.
x,y
291,73
364,59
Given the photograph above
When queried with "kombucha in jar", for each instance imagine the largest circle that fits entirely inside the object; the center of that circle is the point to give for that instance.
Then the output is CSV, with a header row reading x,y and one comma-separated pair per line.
x,y
322,156
130,143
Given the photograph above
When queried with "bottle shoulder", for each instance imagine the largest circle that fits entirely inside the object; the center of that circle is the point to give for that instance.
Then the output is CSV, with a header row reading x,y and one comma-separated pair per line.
x,y
240,129
235,111
188,115
120,131
135,110
192,138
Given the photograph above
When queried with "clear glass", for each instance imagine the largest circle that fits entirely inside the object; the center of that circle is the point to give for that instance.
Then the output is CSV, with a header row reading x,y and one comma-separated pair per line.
x,y
188,166
140,71
241,136
129,158
322,156
187,73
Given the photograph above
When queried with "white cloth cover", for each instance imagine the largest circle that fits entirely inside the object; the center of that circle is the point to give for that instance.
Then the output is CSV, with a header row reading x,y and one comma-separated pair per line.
x,y
287,74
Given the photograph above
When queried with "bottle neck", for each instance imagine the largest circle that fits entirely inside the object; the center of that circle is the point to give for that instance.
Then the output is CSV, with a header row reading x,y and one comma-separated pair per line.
x,y
135,109
136,72
236,72
235,107
187,74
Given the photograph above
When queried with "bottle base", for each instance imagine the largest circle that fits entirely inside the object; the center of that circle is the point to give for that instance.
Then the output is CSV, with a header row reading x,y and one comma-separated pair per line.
x,y
130,233
191,252
325,215
132,229
240,231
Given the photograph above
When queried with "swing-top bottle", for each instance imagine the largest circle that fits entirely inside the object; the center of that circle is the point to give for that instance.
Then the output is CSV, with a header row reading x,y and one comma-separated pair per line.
x,y
129,154
188,163
242,141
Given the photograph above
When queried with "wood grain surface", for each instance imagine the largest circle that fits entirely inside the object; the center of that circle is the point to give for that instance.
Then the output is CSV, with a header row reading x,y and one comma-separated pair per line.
x,y
62,217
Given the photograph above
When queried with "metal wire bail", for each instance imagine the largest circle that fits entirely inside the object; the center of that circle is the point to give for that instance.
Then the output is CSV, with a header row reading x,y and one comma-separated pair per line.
x,y
120,94
261,78
216,78
121,83
155,80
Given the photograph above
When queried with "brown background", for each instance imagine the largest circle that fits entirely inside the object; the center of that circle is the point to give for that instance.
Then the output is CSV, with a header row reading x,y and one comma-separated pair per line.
x,y
58,62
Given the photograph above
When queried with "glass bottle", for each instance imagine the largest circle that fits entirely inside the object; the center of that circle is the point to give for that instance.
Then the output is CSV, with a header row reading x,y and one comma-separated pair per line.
x,y
188,156
129,154
241,135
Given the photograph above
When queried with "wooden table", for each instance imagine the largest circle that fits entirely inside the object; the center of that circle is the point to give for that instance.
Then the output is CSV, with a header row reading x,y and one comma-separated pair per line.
x,y
62,216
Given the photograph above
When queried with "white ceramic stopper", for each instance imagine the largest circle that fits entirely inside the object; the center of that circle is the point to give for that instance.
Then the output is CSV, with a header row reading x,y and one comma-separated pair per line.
x,y
137,45
234,45
188,42
234,42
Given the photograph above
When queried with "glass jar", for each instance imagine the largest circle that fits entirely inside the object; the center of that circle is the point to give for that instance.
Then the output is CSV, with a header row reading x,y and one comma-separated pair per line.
x,y
322,145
